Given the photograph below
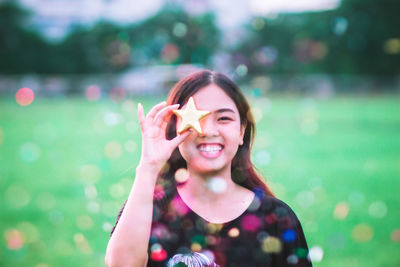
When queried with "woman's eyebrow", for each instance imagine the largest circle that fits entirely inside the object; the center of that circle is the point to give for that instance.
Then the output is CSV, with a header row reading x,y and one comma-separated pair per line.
x,y
221,110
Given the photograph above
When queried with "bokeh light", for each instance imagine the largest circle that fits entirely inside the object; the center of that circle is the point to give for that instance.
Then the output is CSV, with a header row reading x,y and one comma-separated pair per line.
x,y
179,29
266,56
362,233
262,158
356,198
217,185
15,239
90,174
82,244
117,94
289,235
234,232
181,175
84,222
395,235
392,46
93,207
112,118
90,190
257,114
93,93
292,259
250,222
113,150
129,107
17,196
255,204
29,231
169,53
24,96
29,152
214,228
117,190
271,244
377,209
56,217
336,241
258,23
196,247
340,25
241,70
341,210
159,192
107,227
305,198
264,84
316,253
157,252
180,207
130,146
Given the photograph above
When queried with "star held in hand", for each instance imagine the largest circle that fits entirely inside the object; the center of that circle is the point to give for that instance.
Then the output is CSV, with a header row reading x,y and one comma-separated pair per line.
x,y
190,116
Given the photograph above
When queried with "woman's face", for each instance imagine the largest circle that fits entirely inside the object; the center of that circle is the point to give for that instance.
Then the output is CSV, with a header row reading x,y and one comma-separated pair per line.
x,y
213,150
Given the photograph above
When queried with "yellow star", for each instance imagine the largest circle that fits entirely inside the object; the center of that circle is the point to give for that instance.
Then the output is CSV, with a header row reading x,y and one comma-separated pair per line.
x,y
190,117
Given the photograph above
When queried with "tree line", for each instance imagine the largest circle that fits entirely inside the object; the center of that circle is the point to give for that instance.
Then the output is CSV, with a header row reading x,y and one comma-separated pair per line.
x,y
359,37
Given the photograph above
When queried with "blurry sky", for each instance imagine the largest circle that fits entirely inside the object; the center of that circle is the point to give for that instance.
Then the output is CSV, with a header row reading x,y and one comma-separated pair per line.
x,y
54,17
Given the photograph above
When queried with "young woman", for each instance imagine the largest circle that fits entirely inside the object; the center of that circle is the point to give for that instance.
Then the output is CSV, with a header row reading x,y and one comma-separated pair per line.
x,y
196,199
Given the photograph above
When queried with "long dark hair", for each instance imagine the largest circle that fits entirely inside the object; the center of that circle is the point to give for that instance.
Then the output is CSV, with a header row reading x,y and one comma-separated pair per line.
x,y
243,171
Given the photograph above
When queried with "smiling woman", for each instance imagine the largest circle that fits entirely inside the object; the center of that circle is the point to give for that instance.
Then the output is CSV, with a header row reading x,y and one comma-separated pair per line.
x,y
222,213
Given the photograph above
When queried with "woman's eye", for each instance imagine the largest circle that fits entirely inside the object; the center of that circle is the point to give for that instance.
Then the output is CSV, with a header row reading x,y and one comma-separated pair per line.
x,y
224,119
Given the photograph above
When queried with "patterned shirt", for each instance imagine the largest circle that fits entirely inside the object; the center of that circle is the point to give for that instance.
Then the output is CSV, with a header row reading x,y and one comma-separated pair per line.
x,y
267,234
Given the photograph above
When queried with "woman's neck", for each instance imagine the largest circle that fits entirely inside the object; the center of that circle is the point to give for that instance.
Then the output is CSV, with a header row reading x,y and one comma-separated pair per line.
x,y
216,206
209,187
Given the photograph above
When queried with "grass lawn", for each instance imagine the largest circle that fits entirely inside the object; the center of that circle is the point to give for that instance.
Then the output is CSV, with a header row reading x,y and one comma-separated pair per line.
x,y
66,167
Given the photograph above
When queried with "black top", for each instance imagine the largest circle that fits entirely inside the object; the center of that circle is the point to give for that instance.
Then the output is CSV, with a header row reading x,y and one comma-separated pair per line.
x,y
268,233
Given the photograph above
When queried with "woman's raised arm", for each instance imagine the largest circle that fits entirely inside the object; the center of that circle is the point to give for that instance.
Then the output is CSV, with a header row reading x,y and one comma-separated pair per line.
x,y
128,244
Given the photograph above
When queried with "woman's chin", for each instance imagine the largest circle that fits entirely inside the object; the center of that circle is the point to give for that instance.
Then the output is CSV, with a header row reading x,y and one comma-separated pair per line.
x,y
209,169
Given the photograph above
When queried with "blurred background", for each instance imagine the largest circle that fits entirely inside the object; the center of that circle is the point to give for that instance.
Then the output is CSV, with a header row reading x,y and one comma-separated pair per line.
x,y
322,77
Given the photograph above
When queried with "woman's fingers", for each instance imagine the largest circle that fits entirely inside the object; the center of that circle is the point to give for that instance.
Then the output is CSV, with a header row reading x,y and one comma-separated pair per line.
x,y
180,138
155,109
161,116
141,117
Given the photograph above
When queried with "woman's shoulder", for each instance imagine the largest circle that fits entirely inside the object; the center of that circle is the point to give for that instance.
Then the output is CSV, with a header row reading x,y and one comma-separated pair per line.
x,y
274,202
164,191
276,210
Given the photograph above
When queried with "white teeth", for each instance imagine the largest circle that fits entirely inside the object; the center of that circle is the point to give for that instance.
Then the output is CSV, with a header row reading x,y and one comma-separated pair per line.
x,y
210,148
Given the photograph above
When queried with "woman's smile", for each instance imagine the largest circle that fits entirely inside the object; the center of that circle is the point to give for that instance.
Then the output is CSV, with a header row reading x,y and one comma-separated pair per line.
x,y
210,150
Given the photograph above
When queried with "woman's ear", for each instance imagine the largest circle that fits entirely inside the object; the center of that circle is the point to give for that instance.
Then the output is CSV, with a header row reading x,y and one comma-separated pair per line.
x,y
242,131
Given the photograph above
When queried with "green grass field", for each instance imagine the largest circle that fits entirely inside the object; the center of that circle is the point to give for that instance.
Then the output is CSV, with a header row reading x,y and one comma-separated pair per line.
x,y
66,167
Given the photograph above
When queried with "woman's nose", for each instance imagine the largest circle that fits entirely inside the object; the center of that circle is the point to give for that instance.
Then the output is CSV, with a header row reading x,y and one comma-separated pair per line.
x,y
208,127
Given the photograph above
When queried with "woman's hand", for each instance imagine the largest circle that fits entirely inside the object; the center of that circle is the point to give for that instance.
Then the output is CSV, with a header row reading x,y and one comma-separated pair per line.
x,y
156,148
